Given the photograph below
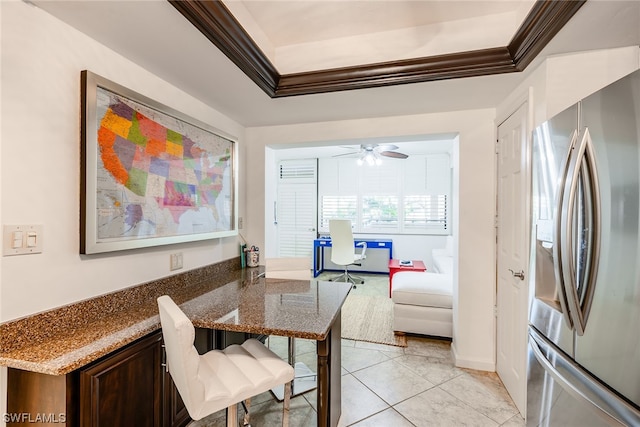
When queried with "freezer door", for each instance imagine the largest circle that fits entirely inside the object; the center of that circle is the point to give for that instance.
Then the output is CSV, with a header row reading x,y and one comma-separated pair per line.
x,y
553,146
610,345
560,393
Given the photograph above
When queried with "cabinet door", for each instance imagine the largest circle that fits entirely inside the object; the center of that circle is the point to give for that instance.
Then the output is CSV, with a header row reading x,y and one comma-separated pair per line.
x,y
125,389
175,413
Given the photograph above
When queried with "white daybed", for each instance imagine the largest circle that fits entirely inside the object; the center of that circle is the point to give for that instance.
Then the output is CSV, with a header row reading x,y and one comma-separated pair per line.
x,y
423,301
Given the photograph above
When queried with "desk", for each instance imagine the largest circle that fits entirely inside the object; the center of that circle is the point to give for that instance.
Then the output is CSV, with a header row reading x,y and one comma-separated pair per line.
x,y
299,309
320,244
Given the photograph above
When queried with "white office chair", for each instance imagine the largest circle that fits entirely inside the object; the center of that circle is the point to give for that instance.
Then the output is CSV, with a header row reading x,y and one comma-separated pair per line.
x,y
219,379
343,249
293,268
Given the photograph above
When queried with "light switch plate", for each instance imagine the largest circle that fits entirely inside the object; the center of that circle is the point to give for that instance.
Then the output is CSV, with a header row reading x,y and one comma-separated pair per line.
x,y
23,239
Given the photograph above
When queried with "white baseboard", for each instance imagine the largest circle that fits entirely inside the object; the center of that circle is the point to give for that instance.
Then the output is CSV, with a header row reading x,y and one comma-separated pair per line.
x,y
479,365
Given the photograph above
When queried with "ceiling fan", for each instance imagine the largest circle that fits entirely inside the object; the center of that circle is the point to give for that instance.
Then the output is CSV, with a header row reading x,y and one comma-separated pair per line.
x,y
372,153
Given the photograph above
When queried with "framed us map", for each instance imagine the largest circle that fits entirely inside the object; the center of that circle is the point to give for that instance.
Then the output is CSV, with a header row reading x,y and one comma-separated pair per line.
x,y
150,175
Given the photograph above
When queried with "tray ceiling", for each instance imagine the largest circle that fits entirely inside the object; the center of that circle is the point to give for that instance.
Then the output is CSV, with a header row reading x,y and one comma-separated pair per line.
x,y
298,23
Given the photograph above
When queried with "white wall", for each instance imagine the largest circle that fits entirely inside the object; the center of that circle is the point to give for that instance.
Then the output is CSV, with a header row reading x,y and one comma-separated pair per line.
x,y
562,80
39,170
474,211
41,63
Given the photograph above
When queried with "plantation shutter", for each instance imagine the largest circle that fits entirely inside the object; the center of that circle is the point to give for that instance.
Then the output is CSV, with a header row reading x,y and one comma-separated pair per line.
x,y
296,207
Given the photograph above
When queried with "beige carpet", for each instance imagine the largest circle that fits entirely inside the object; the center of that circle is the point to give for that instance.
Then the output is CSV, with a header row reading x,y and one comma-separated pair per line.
x,y
370,318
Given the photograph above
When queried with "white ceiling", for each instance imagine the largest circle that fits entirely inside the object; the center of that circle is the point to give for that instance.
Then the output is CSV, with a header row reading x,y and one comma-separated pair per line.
x,y
293,22
138,30
308,35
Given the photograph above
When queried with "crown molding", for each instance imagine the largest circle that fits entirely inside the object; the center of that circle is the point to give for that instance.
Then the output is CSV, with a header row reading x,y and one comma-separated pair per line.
x,y
215,21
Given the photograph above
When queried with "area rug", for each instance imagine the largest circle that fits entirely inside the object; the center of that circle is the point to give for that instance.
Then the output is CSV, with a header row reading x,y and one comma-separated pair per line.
x,y
370,318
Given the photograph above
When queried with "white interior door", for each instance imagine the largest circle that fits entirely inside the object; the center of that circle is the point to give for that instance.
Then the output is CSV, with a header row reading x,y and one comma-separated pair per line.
x,y
296,209
512,256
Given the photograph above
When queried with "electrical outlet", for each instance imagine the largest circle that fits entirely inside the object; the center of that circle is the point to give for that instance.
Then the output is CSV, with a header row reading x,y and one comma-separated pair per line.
x,y
175,261
240,223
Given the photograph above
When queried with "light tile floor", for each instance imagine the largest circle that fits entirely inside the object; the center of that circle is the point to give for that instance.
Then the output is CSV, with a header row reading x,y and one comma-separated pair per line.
x,y
392,386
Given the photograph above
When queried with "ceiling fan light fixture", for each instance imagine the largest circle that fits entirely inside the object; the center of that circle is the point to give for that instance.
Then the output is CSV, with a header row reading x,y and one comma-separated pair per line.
x,y
369,157
372,154
377,158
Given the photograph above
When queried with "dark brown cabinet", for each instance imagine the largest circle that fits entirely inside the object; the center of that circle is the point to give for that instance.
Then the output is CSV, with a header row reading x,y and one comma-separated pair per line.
x,y
125,388
129,387
175,413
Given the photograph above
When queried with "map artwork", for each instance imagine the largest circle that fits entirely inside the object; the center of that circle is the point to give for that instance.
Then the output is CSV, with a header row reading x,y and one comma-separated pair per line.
x,y
158,176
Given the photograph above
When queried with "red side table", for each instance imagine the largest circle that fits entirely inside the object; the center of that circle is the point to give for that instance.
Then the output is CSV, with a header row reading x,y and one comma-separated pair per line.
x,y
394,267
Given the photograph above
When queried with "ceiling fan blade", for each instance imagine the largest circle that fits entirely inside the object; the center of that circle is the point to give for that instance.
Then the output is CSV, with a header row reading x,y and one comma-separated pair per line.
x,y
393,154
346,154
386,147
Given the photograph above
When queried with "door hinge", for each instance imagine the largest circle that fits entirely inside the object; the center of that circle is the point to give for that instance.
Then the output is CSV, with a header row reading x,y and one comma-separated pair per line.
x,y
495,311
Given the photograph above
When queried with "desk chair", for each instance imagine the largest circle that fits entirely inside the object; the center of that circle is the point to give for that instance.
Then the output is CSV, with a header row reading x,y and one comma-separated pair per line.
x,y
219,379
296,268
343,250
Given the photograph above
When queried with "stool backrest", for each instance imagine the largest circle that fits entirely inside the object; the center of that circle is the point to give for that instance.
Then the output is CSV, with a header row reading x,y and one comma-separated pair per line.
x,y
182,357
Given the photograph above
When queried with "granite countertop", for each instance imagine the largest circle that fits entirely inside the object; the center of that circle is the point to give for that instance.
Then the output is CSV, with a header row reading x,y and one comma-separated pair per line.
x,y
65,339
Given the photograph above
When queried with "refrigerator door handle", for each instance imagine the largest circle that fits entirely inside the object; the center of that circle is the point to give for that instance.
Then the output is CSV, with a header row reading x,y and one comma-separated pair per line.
x,y
559,262
590,183
575,381
581,170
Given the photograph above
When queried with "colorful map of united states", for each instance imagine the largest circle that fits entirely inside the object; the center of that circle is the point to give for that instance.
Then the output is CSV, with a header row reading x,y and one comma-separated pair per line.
x,y
153,161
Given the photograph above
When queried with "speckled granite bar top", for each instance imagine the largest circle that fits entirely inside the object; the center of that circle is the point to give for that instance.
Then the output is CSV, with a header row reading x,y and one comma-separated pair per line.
x,y
218,297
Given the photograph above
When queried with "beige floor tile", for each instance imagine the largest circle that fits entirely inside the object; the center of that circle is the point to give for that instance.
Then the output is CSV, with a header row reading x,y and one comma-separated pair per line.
x,y
358,402
515,421
434,369
484,392
387,418
392,381
305,346
267,413
421,346
279,345
389,350
309,359
354,359
348,343
312,399
436,407
270,413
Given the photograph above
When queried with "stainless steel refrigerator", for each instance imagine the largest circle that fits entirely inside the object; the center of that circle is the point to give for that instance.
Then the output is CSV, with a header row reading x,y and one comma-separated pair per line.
x,y
584,323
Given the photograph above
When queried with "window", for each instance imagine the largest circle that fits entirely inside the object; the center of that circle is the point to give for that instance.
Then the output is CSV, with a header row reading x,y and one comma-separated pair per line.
x,y
409,196
337,207
426,212
379,212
